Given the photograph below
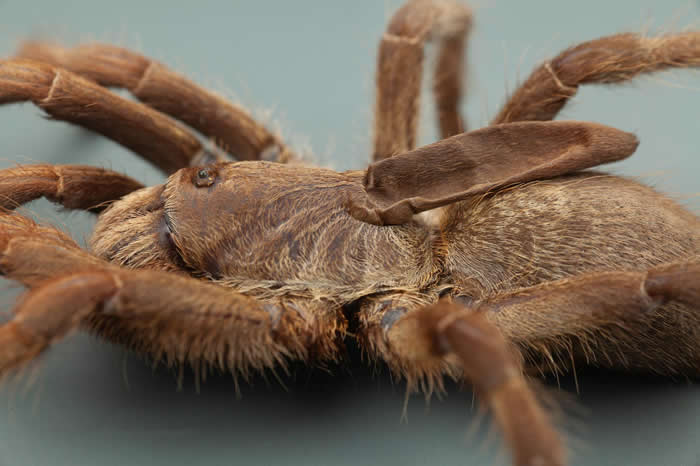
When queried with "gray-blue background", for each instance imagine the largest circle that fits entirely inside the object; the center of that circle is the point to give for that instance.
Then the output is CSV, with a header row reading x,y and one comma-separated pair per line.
x,y
311,63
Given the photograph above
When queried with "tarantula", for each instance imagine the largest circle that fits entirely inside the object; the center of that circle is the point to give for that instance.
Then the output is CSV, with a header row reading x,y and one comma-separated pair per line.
x,y
484,256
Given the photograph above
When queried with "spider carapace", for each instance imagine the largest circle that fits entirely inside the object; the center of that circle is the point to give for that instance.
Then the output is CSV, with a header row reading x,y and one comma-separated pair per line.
x,y
491,255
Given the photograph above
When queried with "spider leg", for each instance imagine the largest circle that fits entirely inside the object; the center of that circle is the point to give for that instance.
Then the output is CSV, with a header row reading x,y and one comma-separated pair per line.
x,y
170,316
68,97
376,316
621,320
231,126
624,319
73,186
399,72
428,341
611,59
48,313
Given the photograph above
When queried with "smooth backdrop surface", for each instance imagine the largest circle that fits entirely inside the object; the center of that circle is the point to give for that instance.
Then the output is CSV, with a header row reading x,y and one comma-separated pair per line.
x,y
311,63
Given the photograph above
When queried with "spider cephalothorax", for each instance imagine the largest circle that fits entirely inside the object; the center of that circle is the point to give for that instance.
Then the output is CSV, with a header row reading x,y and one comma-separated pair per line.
x,y
240,224
521,263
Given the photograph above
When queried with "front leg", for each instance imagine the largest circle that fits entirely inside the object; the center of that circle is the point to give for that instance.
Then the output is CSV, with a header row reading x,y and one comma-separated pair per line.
x,y
172,317
68,97
175,319
72,186
48,313
164,90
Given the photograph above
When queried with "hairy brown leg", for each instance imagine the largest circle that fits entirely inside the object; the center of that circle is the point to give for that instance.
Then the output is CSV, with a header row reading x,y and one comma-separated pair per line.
x,y
376,316
68,97
424,343
616,319
173,317
231,126
608,311
48,313
400,71
612,59
73,186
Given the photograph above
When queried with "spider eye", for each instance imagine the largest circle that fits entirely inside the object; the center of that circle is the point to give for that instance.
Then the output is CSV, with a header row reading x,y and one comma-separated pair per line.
x,y
205,177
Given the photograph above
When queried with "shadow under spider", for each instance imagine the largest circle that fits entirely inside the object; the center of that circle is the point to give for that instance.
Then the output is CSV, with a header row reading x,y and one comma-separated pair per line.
x,y
90,392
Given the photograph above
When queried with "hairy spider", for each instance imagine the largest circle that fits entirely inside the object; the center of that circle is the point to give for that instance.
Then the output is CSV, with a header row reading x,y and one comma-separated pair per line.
x,y
521,260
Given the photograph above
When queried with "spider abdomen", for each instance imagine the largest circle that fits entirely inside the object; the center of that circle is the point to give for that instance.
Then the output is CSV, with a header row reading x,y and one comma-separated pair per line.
x,y
549,230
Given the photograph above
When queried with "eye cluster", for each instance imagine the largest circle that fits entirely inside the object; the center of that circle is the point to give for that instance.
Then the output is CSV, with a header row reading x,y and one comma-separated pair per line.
x,y
205,177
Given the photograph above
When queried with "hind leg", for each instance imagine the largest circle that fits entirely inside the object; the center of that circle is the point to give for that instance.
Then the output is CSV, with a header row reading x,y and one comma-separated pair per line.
x,y
611,59
613,316
642,321
400,72
423,343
